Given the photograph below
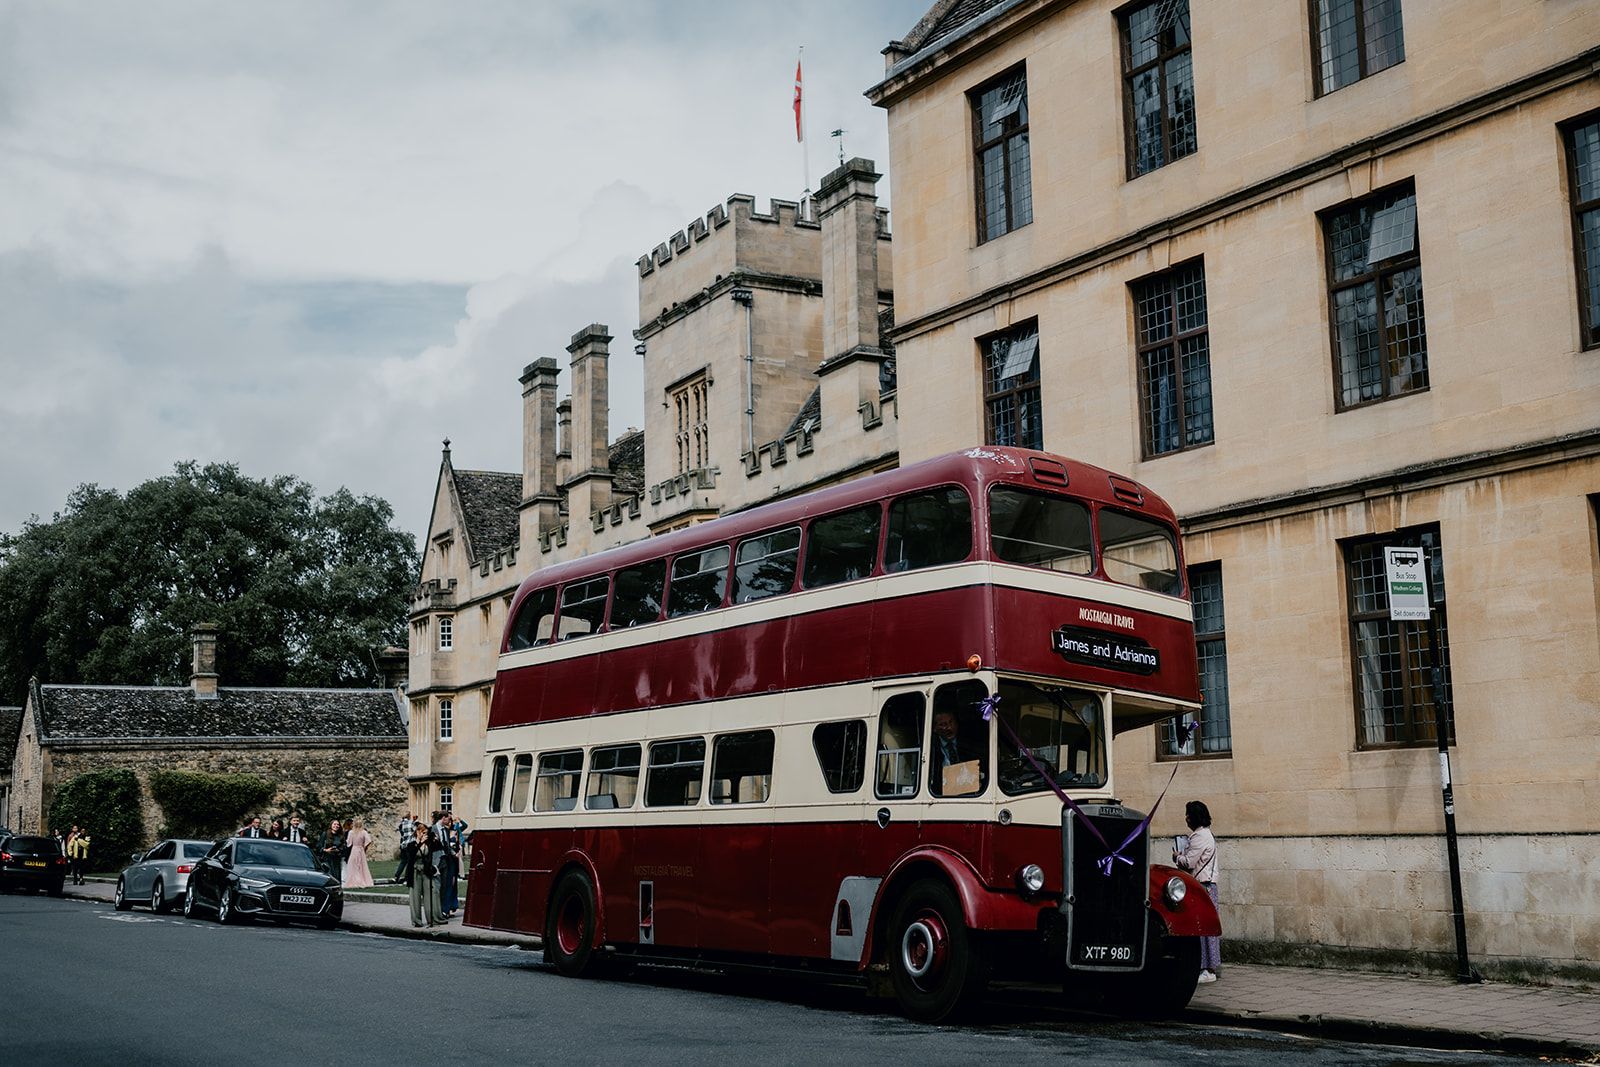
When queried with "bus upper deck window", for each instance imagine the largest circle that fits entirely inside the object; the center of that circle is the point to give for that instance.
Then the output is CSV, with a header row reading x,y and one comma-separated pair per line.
x,y
1136,551
583,607
928,529
842,547
699,581
1040,530
640,592
765,565
536,620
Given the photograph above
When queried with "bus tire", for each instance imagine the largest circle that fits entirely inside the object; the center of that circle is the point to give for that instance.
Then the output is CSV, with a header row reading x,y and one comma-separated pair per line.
x,y
935,962
569,926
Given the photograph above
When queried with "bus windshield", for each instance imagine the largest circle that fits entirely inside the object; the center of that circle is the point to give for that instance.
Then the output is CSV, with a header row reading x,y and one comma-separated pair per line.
x,y
1064,731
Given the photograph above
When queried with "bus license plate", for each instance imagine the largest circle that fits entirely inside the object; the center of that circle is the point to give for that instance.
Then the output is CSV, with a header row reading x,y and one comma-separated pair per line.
x,y
1105,955
299,898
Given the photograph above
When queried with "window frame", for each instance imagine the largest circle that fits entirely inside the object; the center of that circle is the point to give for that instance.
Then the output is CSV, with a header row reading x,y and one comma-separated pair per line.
x,y
1588,337
1377,275
1363,71
1030,382
605,606
447,632
736,591
447,716
651,767
673,579
518,761
594,771
540,773
911,494
1003,141
447,798
1124,16
771,737
874,567
1137,290
661,592
499,777
1412,637
862,763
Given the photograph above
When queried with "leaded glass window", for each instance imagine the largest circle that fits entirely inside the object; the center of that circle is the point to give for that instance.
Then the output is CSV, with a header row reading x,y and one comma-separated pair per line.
x,y
1158,76
1174,353
1380,339
1351,39
1211,732
1583,178
1011,388
1000,147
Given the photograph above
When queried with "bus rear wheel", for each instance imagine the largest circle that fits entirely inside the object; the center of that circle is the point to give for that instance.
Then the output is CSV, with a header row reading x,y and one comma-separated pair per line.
x,y
935,962
569,926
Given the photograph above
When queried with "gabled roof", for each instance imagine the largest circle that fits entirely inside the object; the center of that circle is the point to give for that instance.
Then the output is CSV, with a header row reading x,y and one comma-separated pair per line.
x,y
489,501
10,729
943,18
141,713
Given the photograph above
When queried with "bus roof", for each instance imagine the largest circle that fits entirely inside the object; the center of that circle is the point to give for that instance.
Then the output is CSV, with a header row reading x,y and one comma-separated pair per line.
x,y
974,468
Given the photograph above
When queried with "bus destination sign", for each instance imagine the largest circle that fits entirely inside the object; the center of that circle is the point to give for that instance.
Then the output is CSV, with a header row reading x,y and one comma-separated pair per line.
x,y
1096,648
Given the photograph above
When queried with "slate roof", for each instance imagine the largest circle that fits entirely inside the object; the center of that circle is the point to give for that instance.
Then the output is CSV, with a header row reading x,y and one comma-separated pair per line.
x,y
10,730
943,18
489,502
811,409
136,713
627,463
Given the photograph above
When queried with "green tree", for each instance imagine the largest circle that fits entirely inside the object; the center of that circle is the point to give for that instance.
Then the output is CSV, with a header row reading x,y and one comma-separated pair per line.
x,y
303,588
106,804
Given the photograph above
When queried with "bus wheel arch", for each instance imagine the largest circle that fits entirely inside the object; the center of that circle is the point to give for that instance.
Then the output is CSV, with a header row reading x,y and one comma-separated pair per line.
x,y
936,960
908,871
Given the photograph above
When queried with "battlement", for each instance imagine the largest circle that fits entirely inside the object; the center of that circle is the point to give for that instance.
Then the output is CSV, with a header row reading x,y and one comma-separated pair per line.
x,y
739,209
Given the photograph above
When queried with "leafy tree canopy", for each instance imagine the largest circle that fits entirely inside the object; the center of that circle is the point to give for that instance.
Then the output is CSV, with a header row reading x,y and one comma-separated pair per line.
x,y
207,805
107,805
305,589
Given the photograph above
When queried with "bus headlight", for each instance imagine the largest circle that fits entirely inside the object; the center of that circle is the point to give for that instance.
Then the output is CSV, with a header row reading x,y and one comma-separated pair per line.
x,y
1031,878
1175,890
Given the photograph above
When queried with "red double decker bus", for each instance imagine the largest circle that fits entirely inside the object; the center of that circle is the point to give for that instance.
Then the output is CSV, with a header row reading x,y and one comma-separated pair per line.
x,y
840,733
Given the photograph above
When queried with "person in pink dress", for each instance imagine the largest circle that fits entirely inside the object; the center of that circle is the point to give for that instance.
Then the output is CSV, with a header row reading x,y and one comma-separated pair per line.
x,y
357,875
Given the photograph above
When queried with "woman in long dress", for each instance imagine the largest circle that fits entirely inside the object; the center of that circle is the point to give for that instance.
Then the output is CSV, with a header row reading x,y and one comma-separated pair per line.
x,y
357,875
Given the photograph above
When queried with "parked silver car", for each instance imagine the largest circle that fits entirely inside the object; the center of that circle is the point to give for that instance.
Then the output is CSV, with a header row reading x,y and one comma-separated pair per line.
x,y
159,877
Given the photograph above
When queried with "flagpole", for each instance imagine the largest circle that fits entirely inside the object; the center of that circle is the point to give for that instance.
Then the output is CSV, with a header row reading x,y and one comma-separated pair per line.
x,y
805,155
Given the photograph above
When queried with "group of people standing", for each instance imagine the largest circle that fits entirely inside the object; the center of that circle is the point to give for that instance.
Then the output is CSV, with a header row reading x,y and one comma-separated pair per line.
x,y
430,863
340,851
75,846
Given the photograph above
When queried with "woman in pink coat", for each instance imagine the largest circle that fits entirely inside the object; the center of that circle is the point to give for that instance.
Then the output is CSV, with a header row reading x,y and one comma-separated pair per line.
x,y
357,875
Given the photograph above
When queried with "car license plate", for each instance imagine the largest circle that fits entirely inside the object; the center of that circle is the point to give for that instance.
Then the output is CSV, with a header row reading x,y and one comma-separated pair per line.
x,y
1105,955
298,898
34,863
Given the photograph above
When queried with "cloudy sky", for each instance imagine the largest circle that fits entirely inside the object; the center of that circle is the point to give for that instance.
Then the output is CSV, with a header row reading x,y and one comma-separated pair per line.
x,y
315,238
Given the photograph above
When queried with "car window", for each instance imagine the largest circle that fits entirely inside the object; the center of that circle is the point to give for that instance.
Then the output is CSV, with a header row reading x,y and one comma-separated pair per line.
x,y
33,846
163,851
274,854
194,850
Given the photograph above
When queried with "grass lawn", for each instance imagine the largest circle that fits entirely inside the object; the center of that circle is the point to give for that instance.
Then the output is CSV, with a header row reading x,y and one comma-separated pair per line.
x,y
383,875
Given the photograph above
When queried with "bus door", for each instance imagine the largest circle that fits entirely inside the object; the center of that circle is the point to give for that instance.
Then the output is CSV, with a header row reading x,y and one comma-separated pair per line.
x,y
958,778
898,795
735,886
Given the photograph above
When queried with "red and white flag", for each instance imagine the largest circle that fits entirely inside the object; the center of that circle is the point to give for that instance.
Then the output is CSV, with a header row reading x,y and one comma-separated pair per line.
x,y
799,129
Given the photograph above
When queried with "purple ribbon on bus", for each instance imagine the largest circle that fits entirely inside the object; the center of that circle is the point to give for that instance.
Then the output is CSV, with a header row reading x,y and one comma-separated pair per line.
x,y
990,706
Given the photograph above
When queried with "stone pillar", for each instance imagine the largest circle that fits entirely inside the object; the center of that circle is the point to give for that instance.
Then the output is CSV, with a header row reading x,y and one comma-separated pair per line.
x,y
539,510
203,675
847,208
589,485
564,441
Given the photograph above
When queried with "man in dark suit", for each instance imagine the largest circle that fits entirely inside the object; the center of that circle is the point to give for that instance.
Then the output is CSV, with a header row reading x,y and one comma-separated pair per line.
x,y
297,832
253,829
949,749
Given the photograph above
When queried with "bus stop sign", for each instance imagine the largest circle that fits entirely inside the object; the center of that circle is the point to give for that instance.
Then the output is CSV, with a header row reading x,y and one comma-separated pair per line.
x,y
1405,572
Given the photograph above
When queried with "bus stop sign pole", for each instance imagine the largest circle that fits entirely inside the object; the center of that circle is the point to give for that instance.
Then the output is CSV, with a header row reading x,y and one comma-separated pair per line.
x,y
1405,571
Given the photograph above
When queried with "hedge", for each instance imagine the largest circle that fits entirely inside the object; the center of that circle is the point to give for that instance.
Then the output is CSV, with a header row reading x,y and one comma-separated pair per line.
x,y
107,805
207,805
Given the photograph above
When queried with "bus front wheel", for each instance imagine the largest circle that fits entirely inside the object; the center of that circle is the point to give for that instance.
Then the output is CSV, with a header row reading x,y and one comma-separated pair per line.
x,y
935,962
1167,983
569,926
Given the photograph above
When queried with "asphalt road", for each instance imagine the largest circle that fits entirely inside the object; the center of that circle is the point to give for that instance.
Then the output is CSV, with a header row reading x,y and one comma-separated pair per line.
x,y
86,984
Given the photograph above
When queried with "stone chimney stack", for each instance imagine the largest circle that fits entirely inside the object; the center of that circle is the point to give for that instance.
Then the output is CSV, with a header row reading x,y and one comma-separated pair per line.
x,y
847,208
564,445
203,676
589,484
539,511
394,667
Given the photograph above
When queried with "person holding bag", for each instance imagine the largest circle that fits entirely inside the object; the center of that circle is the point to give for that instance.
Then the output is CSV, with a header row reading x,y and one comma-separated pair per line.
x,y
421,875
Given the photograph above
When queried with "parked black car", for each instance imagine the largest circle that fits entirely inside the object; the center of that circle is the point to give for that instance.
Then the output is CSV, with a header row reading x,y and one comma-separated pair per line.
x,y
28,862
245,876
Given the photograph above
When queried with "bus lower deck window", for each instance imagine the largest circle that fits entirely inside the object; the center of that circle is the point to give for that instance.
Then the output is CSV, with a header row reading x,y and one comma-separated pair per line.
x,y
741,768
958,751
676,768
557,788
613,777
841,749
497,783
521,777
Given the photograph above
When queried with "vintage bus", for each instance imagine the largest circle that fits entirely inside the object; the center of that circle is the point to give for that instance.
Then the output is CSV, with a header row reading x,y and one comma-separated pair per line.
x,y
833,734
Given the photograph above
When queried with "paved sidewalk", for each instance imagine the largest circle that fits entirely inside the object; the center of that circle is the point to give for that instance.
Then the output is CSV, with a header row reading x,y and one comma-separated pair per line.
x,y
1419,1009
1340,1004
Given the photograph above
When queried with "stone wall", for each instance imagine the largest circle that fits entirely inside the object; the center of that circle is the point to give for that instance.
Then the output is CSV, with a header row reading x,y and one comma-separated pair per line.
x,y
365,782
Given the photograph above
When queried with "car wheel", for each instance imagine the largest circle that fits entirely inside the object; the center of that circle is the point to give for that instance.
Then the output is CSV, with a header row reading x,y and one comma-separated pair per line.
x,y
934,961
158,897
119,897
327,923
225,913
569,926
58,890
